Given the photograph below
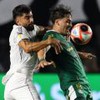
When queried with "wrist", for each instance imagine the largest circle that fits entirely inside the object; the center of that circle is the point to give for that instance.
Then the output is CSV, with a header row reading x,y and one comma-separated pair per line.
x,y
41,59
48,41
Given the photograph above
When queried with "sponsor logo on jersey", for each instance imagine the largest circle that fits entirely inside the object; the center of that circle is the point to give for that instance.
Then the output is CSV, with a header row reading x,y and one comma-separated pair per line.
x,y
70,49
19,36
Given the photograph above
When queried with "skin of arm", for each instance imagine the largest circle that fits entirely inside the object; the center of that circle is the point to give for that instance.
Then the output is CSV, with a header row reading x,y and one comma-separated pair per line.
x,y
42,61
85,55
41,54
29,46
33,46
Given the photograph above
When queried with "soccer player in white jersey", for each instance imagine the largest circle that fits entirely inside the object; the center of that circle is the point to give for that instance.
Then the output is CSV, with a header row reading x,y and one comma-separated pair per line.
x,y
23,55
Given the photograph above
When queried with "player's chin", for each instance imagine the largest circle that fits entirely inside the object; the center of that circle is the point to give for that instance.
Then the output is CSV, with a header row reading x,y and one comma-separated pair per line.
x,y
64,33
68,28
30,27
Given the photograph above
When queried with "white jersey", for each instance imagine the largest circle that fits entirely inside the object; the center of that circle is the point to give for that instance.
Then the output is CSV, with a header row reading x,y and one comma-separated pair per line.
x,y
20,60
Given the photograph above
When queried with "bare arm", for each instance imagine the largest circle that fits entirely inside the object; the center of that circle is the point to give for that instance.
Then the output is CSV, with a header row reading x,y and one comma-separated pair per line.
x,y
85,55
33,46
42,61
36,46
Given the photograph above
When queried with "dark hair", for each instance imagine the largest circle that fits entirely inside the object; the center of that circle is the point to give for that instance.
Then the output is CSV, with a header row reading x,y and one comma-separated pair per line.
x,y
60,12
19,10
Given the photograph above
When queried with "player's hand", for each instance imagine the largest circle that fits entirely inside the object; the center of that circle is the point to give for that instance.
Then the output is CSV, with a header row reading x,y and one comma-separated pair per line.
x,y
43,64
55,43
88,55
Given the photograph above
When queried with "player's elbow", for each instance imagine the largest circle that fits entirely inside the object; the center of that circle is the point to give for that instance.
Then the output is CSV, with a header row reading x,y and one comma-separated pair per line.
x,y
27,50
30,49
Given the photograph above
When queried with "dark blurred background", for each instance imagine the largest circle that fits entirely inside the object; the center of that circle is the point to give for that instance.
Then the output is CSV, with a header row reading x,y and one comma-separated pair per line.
x,y
87,11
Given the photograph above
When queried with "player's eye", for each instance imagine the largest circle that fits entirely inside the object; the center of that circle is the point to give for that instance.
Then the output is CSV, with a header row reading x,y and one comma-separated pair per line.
x,y
68,21
27,17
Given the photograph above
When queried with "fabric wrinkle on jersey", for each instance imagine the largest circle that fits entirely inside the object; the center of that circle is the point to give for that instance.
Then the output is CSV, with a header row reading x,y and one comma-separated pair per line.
x,y
69,69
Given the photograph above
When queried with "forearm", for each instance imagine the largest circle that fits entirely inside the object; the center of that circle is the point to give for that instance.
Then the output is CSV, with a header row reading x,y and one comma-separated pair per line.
x,y
38,45
33,46
85,55
29,46
81,54
41,54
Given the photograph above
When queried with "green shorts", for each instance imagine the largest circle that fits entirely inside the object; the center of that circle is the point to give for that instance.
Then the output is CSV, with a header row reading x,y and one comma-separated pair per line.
x,y
78,91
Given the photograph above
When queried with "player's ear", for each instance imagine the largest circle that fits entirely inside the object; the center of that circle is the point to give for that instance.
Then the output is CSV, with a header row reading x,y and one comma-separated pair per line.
x,y
17,20
57,22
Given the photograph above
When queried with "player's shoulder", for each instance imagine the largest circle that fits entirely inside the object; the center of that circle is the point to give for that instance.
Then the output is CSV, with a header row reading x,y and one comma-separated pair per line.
x,y
36,28
18,29
48,33
51,33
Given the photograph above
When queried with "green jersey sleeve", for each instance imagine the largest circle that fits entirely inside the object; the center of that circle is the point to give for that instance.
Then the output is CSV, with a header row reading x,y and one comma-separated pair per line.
x,y
49,33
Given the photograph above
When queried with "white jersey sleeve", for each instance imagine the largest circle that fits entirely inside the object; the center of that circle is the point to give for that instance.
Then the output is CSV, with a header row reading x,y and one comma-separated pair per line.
x,y
21,33
36,28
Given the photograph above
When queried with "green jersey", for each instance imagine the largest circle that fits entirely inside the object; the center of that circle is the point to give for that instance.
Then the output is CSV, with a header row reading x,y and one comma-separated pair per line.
x,y
68,63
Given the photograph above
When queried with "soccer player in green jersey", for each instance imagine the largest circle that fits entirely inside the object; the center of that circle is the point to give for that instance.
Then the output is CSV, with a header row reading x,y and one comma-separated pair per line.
x,y
73,80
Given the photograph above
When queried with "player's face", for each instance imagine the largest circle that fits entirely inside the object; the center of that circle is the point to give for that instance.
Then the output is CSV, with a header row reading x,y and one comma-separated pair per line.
x,y
26,20
65,24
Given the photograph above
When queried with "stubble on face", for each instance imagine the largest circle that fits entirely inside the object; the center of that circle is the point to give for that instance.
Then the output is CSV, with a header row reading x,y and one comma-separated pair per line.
x,y
29,27
27,21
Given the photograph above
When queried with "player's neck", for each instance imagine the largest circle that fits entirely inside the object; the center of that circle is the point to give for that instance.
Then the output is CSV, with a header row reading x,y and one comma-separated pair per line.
x,y
56,29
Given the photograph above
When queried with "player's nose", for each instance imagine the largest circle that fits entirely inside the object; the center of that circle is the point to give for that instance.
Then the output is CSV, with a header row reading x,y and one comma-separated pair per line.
x,y
31,20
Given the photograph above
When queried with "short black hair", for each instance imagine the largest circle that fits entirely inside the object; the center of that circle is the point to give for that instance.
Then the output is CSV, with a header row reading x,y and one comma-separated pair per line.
x,y
60,11
19,10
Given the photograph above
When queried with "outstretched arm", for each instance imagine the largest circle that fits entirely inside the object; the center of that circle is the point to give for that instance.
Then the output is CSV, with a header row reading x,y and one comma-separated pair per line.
x,y
29,46
85,55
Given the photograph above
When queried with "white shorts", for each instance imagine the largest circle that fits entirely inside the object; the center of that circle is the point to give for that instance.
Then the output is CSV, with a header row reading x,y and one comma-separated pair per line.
x,y
20,87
